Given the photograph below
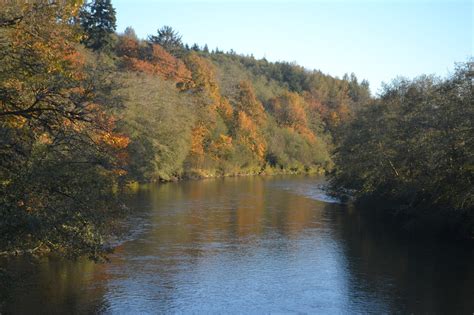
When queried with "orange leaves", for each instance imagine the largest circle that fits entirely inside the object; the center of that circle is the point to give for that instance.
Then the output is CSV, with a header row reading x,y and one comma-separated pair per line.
x,y
169,66
334,118
115,141
198,135
127,46
221,147
115,144
77,62
249,118
105,124
101,128
203,75
160,61
225,109
225,141
45,139
245,123
247,102
249,135
314,104
289,110
138,65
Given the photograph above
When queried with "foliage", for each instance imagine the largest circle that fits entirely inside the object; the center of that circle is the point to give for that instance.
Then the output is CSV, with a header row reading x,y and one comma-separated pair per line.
x,y
414,148
169,39
98,22
158,121
59,150
76,121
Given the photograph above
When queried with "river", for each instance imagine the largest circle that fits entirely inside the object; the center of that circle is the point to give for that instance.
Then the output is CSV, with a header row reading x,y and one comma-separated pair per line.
x,y
249,245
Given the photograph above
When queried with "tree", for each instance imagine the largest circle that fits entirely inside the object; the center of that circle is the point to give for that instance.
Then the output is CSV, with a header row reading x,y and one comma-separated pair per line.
x,y
247,102
169,39
289,110
60,154
413,149
130,32
158,120
98,22
127,44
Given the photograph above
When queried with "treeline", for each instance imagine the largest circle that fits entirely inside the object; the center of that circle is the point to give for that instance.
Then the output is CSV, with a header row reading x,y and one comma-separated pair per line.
x,y
411,154
84,110
237,115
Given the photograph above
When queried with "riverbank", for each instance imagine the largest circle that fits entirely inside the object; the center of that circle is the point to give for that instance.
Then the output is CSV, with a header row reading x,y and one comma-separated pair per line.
x,y
196,174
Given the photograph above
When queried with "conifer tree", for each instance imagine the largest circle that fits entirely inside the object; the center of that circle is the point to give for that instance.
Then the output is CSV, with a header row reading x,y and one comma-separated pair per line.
x,y
169,39
99,23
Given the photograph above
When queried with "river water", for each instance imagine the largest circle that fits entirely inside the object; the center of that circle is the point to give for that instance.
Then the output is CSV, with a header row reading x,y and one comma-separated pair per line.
x,y
249,245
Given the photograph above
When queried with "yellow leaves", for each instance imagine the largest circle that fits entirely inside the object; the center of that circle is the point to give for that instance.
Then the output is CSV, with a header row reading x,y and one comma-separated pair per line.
x,y
226,140
247,102
203,75
16,122
45,139
249,135
77,61
225,109
75,6
221,146
260,149
244,122
119,172
334,118
198,135
44,36
307,133
290,111
113,140
13,83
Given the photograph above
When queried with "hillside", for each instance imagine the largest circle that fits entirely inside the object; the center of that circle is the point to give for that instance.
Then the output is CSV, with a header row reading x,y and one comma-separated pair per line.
x,y
234,114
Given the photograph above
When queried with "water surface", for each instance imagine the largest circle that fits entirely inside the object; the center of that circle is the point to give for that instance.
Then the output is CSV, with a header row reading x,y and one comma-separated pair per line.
x,y
249,245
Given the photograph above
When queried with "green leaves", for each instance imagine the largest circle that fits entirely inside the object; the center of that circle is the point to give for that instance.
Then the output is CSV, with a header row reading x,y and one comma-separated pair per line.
x,y
413,147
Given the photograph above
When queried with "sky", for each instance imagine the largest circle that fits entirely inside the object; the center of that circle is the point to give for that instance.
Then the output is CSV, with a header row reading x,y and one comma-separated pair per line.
x,y
377,40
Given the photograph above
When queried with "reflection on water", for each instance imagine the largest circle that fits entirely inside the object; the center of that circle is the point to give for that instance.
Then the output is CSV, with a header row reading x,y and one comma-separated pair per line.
x,y
249,245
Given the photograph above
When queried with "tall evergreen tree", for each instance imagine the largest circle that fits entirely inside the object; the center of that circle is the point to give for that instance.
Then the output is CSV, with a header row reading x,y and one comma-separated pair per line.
x,y
99,23
169,39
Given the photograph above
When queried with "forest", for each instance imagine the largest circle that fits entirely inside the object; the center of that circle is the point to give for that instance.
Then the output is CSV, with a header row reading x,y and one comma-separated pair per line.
x,y
86,111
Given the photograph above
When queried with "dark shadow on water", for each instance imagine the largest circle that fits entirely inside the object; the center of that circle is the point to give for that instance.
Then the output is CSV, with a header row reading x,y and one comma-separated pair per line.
x,y
412,274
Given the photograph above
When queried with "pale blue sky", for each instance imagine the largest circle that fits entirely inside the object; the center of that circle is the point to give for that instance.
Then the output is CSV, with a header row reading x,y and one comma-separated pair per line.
x,y
377,40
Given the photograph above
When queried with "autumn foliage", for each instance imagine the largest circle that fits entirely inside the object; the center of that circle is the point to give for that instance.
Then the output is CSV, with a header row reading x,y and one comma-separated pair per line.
x,y
60,150
84,110
151,59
